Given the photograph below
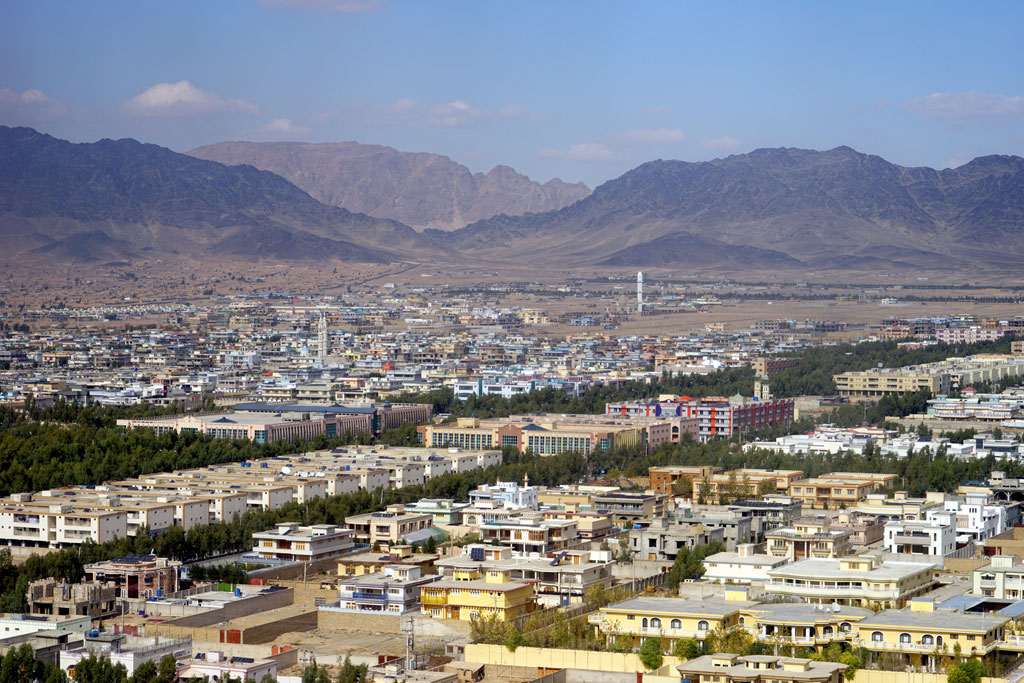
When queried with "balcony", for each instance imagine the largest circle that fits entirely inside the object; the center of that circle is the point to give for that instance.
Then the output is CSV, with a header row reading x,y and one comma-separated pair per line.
x,y
359,595
434,599
837,592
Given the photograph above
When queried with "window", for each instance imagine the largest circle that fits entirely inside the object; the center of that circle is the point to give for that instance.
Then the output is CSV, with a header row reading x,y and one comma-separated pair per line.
x,y
676,623
905,638
927,640
702,625
876,637
655,622
645,622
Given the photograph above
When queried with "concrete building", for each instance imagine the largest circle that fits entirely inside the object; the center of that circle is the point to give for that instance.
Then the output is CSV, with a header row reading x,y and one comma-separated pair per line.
x,y
664,479
290,542
90,599
539,436
1002,578
625,509
743,566
395,590
470,595
731,668
977,518
388,527
530,535
809,538
716,415
507,492
935,537
855,580
137,576
664,538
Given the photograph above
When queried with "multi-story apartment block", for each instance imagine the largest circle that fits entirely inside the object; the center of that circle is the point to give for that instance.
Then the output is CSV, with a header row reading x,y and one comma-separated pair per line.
x,y
58,526
543,437
137,576
855,580
716,415
977,518
293,543
889,381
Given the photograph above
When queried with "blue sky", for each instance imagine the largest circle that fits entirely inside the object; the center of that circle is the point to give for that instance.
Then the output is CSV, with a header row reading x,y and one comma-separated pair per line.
x,y
579,90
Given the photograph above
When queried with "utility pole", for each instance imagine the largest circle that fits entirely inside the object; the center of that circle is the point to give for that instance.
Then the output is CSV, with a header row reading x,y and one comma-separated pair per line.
x,y
410,646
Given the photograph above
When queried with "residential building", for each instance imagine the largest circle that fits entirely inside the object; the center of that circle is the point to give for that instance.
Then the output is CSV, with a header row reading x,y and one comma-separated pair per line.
x,y
716,415
508,492
369,562
875,383
1002,578
663,479
838,490
392,526
977,518
13,624
924,634
290,542
809,538
58,526
542,437
859,580
664,538
89,599
671,618
560,580
625,509
136,576
531,535
473,594
743,566
128,651
444,511
395,590
736,527
731,668
935,537
745,483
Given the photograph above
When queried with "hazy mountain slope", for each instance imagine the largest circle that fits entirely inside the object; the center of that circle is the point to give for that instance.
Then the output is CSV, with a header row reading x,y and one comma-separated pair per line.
x,y
809,205
148,198
421,190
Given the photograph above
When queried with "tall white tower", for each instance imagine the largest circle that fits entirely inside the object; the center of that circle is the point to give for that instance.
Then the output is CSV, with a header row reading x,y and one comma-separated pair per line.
x,y
321,335
640,292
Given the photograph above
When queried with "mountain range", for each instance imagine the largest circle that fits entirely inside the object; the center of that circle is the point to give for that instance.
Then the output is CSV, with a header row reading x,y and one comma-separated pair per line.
x,y
420,190
772,209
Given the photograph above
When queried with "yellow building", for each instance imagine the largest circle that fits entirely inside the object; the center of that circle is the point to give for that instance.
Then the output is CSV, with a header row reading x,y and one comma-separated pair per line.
x,y
671,618
472,594
928,637
888,381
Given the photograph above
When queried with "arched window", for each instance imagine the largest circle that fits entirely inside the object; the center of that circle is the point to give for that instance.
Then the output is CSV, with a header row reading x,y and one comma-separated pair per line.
x,y
876,637
742,621
844,627
676,623
938,640
702,625
927,640
645,622
905,638
827,631
655,622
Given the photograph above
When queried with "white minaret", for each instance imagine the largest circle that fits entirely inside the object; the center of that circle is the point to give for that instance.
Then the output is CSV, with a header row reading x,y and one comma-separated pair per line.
x,y
321,334
640,292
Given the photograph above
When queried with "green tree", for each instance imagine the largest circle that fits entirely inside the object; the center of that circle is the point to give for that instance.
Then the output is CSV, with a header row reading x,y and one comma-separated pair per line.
x,y
686,648
650,653
514,640
965,672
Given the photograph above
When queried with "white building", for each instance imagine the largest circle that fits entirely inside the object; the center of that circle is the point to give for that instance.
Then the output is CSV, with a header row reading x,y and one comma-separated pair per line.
x,y
743,566
508,492
294,543
975,518
935,537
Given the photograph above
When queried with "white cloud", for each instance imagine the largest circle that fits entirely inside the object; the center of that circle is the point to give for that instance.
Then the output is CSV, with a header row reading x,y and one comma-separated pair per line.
x,y
964,106
655,136
657,109
584,151
28,107
279,130
455,114
184,99
723,143
329,6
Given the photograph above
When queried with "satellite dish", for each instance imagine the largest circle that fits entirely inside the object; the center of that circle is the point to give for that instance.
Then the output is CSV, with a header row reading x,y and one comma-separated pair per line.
x,y
286,470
